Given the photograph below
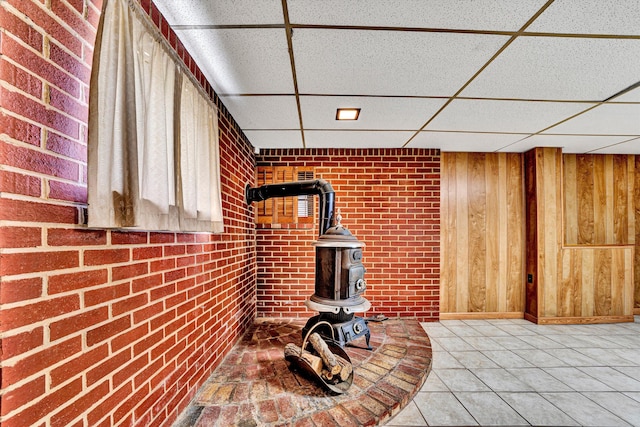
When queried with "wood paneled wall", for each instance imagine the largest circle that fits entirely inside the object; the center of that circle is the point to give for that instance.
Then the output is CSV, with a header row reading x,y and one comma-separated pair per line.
x,y
583,282
482,235
599,199
636,262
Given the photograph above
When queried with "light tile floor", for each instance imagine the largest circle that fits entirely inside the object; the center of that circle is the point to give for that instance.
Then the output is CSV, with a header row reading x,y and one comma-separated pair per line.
x,y
514,373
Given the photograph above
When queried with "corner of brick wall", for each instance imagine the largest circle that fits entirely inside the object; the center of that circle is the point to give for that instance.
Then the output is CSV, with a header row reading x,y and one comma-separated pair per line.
x,y
390,200
101,327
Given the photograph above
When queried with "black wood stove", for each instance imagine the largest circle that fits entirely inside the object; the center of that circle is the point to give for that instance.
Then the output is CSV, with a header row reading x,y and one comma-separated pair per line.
x,y
339,281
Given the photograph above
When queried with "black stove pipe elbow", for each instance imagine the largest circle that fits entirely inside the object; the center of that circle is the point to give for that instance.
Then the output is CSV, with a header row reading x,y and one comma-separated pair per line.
x,y
298,188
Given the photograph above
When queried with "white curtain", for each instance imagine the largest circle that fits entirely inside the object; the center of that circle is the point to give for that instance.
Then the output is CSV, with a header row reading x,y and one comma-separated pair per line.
x,y
199,159
134,179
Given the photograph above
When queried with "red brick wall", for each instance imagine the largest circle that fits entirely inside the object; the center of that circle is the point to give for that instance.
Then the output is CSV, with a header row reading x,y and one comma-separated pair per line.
x,y
390,200
100,327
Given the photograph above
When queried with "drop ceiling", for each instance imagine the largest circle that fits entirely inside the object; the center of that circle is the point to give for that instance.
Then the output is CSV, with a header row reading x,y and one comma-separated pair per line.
x,y
458,75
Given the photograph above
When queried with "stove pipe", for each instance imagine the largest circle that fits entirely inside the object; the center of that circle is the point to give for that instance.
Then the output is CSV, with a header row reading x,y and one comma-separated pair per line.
x,y
299,188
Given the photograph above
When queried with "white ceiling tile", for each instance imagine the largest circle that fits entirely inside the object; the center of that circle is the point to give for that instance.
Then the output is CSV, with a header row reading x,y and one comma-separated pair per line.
x,y
559,68
463,141
627,147
388,62
504,15
221,12
569,143
275,138
502,116
319,112
356,139
263,112
611,119
242,61
631,96
589,17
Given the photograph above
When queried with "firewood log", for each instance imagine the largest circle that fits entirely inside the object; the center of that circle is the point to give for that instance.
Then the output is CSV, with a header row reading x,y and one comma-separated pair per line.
x,y
314,361
327,356
346,368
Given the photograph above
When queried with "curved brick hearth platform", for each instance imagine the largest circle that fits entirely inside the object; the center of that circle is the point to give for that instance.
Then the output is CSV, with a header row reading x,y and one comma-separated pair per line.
x,y
255,387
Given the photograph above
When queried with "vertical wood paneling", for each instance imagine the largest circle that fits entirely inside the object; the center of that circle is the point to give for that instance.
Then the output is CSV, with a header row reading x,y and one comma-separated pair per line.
x,y
598,204
477,233
531,229
570,198
620,200
602,282
636,261
585,219
482,216
587,280
550,221
462,223
514,238
492,211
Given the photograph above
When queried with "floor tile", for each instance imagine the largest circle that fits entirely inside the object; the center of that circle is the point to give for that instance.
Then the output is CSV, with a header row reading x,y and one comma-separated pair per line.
x,y
483,343
507,359
623,406
577,380
584,410
454,344
542,342
490,331
572,357
489,409
630,371
410,416
513,343
613,378
473,359
433,383
515,329
501,380
464,331
537,410
607,357
540,358
461,380
539,380
444,360
443,409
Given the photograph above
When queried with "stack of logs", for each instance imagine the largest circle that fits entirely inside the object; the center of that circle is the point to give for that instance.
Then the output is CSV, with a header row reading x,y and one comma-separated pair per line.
x,y
329,366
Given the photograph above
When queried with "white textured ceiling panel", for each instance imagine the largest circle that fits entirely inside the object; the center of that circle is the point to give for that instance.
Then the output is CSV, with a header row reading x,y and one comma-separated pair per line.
x,y
275,138
242,61
221,12
497,15
590,17
263,112
612,119
402,62
463,141
503,116
569,143
319,112
356,139
631,96
388,62
560,69
628,147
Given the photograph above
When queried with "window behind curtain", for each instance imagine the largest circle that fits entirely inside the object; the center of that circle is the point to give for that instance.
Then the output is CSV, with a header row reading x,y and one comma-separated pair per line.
x,y
147,122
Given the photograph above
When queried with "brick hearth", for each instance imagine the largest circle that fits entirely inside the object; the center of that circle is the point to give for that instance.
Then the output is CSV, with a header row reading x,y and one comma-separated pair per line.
x,y
255,387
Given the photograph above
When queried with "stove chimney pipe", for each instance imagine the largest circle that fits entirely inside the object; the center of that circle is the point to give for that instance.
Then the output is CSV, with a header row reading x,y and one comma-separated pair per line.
x,y
299,188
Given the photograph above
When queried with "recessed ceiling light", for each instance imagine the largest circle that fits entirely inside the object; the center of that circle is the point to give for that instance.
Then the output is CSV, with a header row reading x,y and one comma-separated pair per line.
x,y
347,113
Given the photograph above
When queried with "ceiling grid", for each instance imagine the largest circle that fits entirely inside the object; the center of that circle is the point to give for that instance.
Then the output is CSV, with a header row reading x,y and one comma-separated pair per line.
x,y
458,75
